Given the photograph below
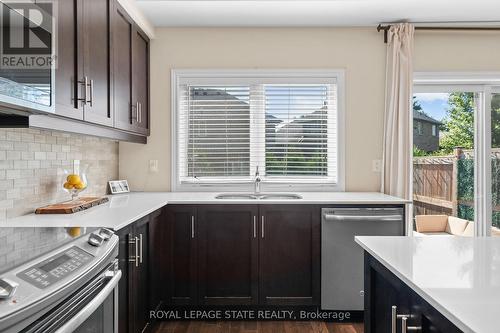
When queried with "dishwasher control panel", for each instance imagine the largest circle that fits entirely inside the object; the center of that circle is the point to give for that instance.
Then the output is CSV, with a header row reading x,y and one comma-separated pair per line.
x,y
56,268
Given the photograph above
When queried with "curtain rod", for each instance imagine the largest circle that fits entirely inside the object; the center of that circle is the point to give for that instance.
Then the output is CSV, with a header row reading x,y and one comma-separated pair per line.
x,y
386,28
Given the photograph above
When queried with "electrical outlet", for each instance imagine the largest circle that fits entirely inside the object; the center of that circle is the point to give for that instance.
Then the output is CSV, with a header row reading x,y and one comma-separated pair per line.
x,y
377,165
153,166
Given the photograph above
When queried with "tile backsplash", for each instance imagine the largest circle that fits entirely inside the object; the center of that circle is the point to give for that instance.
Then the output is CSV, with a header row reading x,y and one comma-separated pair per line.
x,y
18,245
32,164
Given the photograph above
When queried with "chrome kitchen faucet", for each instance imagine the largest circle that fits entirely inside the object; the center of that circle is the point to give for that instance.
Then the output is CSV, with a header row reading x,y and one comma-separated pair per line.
x,y
257,181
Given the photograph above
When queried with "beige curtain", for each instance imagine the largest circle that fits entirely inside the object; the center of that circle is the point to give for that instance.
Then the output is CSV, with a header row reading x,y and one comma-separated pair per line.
x,y
397,146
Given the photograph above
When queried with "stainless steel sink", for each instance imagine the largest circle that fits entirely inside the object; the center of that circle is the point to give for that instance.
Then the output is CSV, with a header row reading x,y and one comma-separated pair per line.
x,y
236,196
255,196
280,196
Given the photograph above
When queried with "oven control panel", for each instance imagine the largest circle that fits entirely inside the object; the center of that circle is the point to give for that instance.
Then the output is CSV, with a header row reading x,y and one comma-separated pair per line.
x,y
56,268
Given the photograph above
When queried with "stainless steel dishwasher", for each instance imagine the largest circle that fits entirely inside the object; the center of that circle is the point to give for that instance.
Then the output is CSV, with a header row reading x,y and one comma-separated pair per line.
x,y
342,259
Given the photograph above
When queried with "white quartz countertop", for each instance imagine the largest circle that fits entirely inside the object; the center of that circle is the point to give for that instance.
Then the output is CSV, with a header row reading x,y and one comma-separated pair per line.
x,y
459,276
123,209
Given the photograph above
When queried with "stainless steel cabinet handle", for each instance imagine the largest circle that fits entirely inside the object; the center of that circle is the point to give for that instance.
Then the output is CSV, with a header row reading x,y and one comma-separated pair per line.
x,y
134,241
140,248
404,324
192,226
395,317
84,83
394,311
405,328
255,227
139,112
91,101
262,222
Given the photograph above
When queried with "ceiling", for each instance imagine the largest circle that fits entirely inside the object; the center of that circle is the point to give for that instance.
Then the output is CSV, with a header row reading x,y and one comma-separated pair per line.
x,y
290,13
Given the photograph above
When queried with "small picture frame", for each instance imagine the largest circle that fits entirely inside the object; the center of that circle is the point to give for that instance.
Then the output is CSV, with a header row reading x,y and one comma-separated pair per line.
x,y
118,186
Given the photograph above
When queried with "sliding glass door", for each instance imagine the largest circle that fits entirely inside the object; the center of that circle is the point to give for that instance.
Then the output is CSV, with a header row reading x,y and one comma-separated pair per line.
x,y
456,149
443,160
495,161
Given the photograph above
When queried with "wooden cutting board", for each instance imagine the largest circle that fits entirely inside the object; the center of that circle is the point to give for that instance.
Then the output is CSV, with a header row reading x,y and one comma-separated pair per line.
x,y
70,207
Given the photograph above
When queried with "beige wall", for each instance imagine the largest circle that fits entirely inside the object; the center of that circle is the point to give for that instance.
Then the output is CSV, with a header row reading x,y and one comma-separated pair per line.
x,y
360,51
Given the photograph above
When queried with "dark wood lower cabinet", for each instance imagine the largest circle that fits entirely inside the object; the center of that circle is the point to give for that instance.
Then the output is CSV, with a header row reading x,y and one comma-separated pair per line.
x,y
180,284
242,255
139,281
140,277
289,249
124,286
227,255
385,293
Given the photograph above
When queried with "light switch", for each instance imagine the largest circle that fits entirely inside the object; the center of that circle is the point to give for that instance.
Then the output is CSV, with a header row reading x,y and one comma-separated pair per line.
x,y
153,166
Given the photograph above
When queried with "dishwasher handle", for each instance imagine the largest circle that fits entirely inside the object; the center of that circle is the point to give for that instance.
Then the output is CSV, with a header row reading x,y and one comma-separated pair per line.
x,y
364,218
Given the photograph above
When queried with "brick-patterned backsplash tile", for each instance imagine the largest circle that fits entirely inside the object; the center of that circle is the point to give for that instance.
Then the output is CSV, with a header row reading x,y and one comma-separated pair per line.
x,y
19,245
32,164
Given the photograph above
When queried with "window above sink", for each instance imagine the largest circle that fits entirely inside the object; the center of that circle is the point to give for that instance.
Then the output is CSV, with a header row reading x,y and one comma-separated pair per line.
x,y
228,123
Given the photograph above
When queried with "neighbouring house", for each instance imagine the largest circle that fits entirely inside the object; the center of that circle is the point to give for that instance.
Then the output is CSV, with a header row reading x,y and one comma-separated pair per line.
x,y
425,132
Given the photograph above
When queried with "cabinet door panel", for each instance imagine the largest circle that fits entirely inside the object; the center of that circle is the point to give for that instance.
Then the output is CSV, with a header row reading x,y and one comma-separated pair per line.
x,y
125,285
180,258
424,316
97,60
69,61
383,291
289,255
141,275
122,68
156,246
227,255
140,81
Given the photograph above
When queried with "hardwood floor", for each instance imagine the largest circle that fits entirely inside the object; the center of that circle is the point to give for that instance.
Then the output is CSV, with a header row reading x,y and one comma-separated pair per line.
x,y
257,327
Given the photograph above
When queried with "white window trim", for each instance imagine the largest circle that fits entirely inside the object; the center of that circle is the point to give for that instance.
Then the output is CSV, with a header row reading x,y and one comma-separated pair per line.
x,y
483,83
285,75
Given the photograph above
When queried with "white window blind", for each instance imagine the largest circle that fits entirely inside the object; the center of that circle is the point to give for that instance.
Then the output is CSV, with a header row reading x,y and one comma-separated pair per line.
x,y
227,127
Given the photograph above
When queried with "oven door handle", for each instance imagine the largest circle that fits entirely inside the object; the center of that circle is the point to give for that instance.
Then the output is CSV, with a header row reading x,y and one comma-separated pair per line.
x,y
93,305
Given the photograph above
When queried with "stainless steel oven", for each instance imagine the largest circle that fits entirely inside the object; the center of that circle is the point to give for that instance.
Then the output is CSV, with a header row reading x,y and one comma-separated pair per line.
x,y
71,289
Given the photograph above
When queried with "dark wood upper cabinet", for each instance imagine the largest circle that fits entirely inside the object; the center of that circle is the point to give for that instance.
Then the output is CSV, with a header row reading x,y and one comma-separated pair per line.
x,y
102,72
228,255
123,27
289,255
97,61
180,284
131,74
68,62
140,80
83,72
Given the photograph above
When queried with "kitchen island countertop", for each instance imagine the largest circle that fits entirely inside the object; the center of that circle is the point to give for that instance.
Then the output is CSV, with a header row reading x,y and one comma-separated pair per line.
x,y
458,276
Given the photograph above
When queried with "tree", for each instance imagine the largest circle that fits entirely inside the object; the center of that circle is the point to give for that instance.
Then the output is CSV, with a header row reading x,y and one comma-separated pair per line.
x,y
495,121
458,125
416,105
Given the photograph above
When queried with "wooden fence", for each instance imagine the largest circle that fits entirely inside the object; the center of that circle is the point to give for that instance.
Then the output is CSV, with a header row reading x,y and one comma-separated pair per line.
x,y
435,184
